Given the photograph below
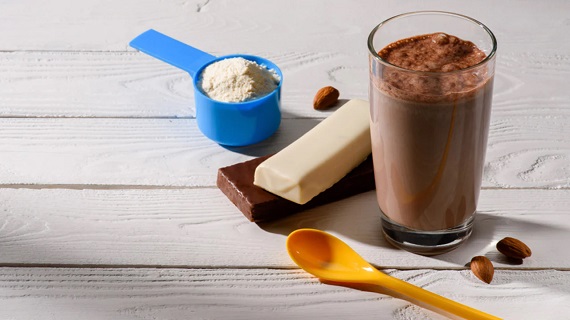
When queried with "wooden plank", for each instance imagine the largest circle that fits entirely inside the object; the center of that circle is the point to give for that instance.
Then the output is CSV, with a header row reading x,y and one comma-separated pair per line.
x,y
200,228
530,151
238,26
169,152
88,84
264,293
127,84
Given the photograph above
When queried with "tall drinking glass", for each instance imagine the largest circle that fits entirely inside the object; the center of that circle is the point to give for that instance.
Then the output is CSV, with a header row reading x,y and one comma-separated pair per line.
x,y
429,129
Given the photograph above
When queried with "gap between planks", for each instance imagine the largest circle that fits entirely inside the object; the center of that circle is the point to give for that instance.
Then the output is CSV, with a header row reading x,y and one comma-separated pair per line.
x,y
112,117
99,187
165,187
241,267
320,118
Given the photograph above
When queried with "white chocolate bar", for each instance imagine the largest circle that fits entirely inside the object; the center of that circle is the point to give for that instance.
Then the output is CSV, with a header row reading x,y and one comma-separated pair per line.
x,y
321,157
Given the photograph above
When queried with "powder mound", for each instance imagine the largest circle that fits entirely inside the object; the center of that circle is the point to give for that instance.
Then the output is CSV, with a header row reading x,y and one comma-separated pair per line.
x,y
237,80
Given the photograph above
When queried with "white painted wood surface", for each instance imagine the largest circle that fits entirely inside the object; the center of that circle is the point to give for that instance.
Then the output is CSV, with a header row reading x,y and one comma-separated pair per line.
x,y
108,204
183,227
108,293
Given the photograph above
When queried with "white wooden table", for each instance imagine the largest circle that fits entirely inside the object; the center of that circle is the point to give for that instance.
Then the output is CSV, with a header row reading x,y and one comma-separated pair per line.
x,y
108,203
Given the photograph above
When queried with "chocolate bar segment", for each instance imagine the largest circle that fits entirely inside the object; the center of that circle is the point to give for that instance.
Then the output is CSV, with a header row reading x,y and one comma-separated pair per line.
x,y
258,205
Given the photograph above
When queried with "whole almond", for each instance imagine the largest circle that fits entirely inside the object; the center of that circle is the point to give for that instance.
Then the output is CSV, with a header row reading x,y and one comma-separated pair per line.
x,y
325,98
482,268
513,248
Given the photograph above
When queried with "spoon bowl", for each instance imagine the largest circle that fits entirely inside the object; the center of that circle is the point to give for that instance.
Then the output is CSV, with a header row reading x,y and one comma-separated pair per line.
x,y
328,258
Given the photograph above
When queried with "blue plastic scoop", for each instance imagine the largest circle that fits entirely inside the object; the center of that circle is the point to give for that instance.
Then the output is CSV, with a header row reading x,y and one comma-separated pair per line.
x,y
231,124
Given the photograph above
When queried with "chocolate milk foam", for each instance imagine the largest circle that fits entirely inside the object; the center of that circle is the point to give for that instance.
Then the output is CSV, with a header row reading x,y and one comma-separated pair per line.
x,y
429,130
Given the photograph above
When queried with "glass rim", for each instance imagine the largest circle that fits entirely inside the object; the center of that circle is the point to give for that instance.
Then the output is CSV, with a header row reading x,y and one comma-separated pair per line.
x,y
376,56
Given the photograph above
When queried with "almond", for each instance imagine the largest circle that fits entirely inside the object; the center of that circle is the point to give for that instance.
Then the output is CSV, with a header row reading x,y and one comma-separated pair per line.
x,y
325,98
482,268
513,248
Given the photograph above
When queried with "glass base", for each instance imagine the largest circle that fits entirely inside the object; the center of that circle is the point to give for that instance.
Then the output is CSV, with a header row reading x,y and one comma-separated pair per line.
x,y
427,243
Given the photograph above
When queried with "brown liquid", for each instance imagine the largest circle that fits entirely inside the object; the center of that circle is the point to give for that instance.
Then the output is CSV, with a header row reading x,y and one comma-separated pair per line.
x,y
429,130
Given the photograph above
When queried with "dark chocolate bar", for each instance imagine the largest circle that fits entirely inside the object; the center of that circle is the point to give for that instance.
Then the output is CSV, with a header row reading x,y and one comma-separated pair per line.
x,y
258,205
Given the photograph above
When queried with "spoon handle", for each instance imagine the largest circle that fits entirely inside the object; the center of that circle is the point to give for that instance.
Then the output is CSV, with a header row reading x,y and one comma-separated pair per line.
x,y
171,51
433,299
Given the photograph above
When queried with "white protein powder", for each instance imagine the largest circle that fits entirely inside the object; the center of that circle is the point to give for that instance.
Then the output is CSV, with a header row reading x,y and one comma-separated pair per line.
x,y
237,80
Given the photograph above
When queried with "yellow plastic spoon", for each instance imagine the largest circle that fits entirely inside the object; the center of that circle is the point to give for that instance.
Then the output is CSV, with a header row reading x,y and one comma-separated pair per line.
x,y
328,258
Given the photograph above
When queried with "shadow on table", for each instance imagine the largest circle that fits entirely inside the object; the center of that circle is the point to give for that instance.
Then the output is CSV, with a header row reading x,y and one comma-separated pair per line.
x,y
384,291
287,133
485,236
357,218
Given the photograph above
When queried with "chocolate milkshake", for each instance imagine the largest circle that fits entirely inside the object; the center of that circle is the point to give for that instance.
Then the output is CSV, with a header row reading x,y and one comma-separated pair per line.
x,y
430,99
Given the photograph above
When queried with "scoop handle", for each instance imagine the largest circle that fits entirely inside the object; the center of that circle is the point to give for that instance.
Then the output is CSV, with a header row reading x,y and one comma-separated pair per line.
x,y
432,299
171,51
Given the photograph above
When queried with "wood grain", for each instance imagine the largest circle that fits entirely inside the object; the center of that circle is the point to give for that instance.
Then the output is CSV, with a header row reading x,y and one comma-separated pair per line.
x,y
261,293
259,25
524,151
87,84
200,228
128,84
